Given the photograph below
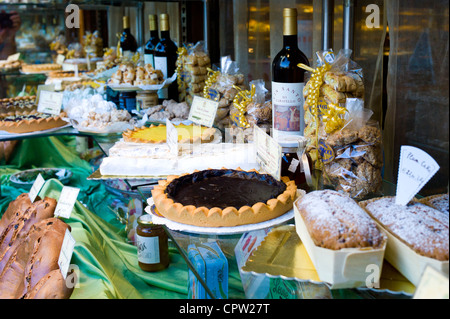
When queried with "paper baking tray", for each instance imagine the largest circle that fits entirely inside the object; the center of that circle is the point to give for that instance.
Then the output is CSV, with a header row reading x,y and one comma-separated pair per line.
x,y
343,268
283,256
407,261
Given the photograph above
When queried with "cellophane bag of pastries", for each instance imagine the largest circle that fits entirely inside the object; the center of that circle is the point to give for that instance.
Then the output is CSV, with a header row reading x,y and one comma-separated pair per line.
x,y
353,155
344,144
193,63
258,111
222,85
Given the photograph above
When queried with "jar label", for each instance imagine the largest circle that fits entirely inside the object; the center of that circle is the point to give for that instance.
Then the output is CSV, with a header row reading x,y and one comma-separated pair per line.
x,y
148,249
293,166
287,101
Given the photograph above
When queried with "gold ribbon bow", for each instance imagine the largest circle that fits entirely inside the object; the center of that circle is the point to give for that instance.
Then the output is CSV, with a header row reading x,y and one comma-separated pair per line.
x,y
210,80
241,100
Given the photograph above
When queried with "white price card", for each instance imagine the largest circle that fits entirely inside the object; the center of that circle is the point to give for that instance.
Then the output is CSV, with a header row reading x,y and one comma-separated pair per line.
x,y
13,57
60,59
268,152
66,201
50,102
65,255
203,111
172,137
415,169
432,285
36,188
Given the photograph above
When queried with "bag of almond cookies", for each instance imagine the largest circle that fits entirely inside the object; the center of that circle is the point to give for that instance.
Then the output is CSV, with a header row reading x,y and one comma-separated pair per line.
x,y
343,144
352,157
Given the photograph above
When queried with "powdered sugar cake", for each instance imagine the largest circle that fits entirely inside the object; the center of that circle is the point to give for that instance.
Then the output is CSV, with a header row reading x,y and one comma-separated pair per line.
x,y
335,221
419,226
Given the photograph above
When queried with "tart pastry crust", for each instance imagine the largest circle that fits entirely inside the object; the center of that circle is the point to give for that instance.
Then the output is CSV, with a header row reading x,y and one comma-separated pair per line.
x,y
157,134
26,125
228,216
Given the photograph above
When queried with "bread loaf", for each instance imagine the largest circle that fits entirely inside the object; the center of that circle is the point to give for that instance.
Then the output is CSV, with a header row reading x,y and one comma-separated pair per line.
x,y
33,259
336,221
21,223
51,286
439,202
16,207
419,226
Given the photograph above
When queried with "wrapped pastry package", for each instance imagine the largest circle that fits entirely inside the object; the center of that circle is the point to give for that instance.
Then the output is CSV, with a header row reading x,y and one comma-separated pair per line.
x,y
222,86
343,143
250,108
192,65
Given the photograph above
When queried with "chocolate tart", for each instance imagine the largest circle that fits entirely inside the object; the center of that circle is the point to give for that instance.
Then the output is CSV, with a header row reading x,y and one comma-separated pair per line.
x,y
223,197
157,134
18,104
25,122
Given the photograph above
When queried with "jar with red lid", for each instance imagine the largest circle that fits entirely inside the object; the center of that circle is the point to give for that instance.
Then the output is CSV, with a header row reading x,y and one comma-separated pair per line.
x,y
152,245
295,162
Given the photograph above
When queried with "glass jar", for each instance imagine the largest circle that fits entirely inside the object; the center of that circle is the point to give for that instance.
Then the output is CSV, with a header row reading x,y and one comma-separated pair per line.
x,y
295,162
152,244
127,100
146,99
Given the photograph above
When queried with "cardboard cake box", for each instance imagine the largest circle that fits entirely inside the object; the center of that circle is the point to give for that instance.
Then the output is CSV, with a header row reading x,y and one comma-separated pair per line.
x,y
344,268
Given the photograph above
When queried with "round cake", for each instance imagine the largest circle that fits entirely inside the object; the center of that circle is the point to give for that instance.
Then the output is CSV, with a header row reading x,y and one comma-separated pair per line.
x,y
223,197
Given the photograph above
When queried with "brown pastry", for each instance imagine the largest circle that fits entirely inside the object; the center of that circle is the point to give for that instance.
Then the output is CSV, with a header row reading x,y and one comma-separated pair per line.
x,y
335,221
19,226
33,259
51,286
15,209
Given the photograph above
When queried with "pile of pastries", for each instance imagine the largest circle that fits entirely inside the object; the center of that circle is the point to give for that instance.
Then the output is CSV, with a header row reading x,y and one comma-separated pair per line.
x,y
128,73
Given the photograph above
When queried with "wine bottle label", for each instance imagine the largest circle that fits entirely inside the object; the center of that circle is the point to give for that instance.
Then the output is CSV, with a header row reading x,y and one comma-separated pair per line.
x,y
287,109
148,249
161,64
148,59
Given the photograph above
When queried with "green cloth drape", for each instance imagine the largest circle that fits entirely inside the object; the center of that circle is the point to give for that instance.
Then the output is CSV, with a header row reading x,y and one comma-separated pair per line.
x,y
107,263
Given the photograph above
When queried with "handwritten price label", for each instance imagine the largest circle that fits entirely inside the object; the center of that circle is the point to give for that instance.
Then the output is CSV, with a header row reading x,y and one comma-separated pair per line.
x,y
66,201
66,252
415,170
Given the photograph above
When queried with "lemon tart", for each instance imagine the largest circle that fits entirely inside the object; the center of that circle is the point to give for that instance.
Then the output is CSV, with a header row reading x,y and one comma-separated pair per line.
x,y
158,134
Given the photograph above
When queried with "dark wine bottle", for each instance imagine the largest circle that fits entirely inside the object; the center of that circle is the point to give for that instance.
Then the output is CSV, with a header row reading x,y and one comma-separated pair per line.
x,y
166,58
128,44
149,48
288,81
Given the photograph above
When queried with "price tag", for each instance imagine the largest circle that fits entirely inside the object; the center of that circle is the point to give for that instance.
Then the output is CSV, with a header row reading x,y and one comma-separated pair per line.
x,y
65,255
43,87
66,201
203,111
432,285
415,169
36,188
50,102
172,137
13,57
60,59
268,153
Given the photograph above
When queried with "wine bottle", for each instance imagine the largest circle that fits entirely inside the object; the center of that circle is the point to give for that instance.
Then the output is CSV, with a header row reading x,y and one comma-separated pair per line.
x,y
288,81
149,48
128,44
166,58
